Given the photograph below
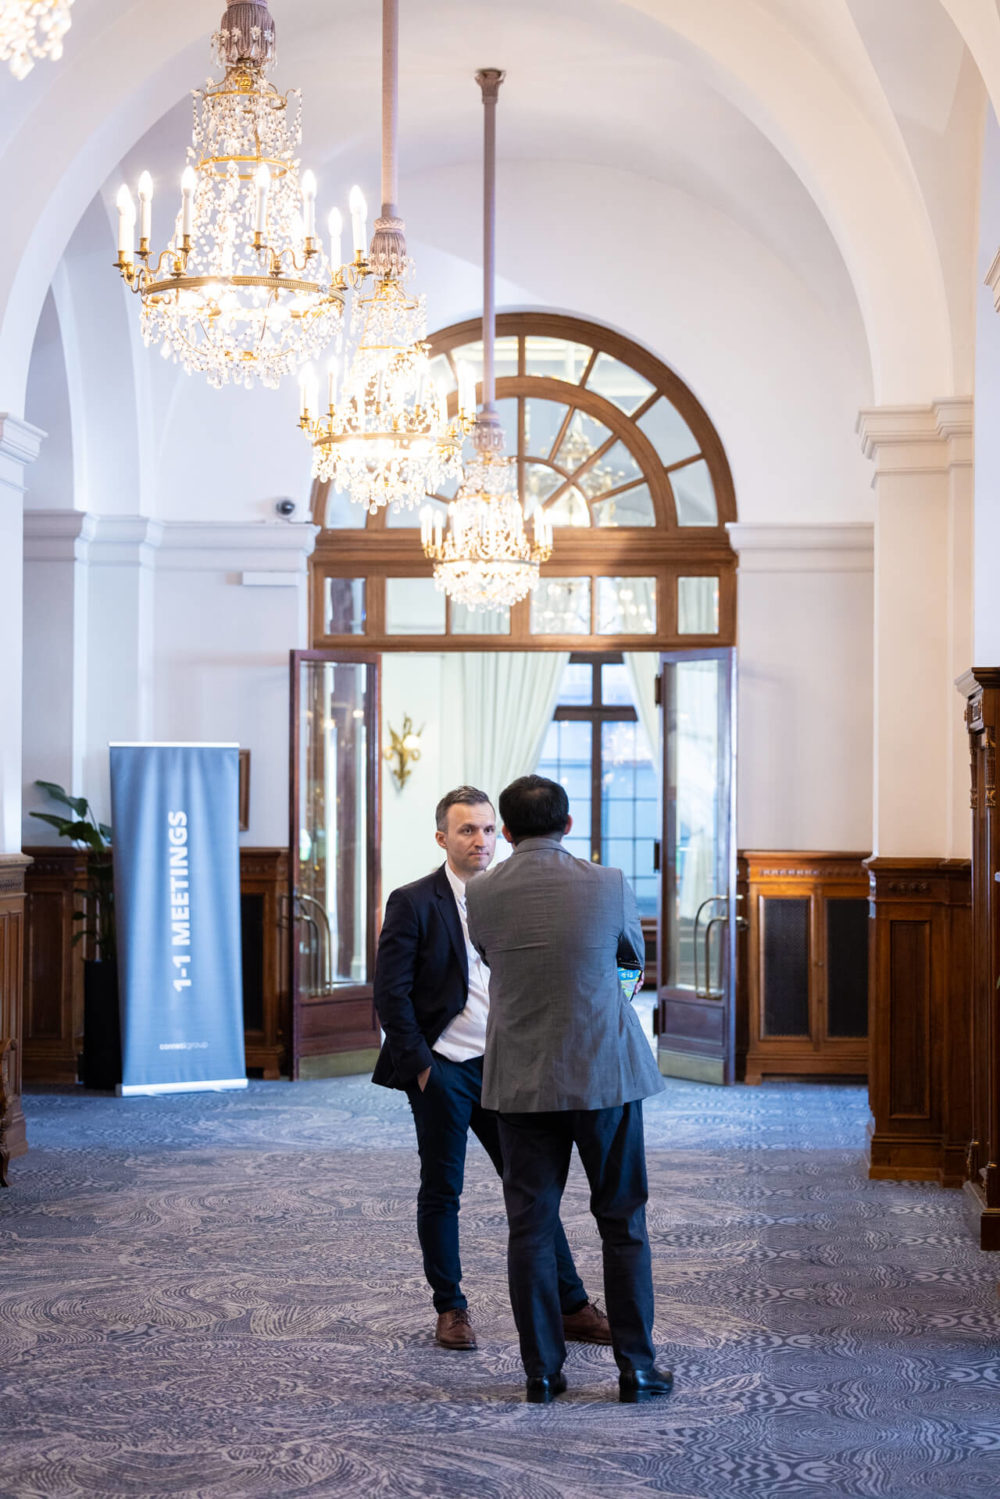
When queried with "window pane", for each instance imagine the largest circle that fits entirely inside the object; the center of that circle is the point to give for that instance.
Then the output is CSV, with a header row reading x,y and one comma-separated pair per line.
x,y
507,412
561,606
615,468
466,621
626,606
570,509
566,758
668,432
633,508
542,422
342,514
577,685
504,357
345,606
413,606
618,383
557,358
583,437
539,483
616,689
694,495
697,606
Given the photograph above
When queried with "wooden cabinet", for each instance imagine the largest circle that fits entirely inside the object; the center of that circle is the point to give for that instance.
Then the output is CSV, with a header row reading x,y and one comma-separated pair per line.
x,y
803,997
13,1141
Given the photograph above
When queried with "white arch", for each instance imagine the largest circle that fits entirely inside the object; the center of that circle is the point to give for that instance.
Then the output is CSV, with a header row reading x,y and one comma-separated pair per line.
x,y
857,172
835,130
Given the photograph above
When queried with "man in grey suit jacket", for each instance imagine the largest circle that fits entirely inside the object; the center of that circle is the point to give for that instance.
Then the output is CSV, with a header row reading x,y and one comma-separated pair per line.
x,y
566,1063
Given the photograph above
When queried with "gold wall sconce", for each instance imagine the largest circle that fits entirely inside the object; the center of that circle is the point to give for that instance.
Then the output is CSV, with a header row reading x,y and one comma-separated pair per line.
x,y
403,750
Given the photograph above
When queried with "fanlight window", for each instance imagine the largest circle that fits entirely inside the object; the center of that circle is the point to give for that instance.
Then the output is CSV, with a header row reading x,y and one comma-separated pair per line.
x,y
607,439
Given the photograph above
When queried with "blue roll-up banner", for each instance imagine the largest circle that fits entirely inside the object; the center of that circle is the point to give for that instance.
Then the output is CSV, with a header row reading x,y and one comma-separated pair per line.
x,y
174,812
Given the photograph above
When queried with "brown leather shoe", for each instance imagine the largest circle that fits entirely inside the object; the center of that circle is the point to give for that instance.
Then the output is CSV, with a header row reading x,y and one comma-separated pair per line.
x,y
588,1325
454,1330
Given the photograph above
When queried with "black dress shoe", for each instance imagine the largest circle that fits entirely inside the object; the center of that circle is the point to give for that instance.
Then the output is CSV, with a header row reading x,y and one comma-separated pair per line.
x,y
541,1389
643,1384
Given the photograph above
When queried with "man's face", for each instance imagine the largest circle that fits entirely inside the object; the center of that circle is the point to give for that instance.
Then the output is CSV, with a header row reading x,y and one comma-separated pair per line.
x,y
469,838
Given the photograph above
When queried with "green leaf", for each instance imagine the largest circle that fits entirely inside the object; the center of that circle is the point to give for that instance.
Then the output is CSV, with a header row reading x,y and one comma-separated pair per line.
x,y
79,804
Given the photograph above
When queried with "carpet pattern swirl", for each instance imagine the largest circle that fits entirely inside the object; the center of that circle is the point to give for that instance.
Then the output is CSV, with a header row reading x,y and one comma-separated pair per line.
x,y
219,1295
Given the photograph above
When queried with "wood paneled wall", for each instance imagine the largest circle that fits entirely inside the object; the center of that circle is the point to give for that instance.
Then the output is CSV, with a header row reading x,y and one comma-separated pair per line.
x,y
920,1007
13,1139
53,980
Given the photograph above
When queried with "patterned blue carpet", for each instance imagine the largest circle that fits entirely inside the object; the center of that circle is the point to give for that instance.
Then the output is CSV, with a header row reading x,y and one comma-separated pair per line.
x,y
219,1295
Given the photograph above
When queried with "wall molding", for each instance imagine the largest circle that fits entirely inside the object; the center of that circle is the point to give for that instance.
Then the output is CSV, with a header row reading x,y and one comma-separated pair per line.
x,y
847,546
918,439
255,547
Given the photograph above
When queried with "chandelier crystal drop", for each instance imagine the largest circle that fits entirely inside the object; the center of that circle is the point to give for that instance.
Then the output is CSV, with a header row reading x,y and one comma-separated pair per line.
x,y
32,29
386,438
244,291
483,557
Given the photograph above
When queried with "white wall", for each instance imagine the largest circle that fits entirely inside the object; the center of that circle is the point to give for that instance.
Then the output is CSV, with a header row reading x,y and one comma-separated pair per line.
x,y
805,687
987,432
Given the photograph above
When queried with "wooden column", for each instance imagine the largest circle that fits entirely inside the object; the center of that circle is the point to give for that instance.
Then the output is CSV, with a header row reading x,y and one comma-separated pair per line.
x,y
919,1007
981,688
13,1139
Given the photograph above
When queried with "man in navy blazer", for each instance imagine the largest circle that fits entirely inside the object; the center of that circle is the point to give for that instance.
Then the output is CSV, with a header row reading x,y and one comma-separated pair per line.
x,y
432,996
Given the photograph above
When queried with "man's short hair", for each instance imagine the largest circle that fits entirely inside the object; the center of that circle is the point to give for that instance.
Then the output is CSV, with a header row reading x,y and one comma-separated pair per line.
x,y
466,796
532,807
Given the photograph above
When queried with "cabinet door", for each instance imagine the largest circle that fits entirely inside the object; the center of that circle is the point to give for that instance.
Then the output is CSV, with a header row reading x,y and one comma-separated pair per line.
x,y
696,1022
334,859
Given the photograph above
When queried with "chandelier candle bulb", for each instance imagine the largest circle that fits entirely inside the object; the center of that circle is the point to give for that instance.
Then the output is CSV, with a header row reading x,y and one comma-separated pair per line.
x,y
262,181
188,183
331,384
309,204
307,382
145,208
126,223
359,217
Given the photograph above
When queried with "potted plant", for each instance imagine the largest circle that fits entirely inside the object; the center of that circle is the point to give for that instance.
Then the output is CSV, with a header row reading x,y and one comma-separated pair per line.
x,y
101,1026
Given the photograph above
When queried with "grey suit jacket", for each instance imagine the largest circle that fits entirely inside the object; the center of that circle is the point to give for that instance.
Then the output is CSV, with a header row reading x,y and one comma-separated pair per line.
x,y
560,1034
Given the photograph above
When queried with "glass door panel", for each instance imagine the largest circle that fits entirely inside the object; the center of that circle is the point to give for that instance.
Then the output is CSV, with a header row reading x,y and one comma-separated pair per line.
x,y
334,860
697,954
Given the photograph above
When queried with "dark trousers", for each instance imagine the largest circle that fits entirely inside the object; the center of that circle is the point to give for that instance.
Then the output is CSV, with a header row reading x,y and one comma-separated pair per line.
x,y
443,1114
536,1150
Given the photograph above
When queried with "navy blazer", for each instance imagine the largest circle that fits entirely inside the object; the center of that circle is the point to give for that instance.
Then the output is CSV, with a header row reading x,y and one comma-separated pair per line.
x,y
421,976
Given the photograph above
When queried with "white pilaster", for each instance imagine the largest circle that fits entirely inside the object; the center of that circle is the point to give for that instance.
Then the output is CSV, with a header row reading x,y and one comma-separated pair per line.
x,y
56,592
923,624
20,444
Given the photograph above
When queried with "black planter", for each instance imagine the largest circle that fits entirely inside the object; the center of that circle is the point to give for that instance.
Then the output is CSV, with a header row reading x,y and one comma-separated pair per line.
x,y
102,1037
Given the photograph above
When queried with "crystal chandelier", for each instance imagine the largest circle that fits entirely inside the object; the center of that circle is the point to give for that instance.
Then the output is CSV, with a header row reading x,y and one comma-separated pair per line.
x,y
386,437
244,290
484,559
30,29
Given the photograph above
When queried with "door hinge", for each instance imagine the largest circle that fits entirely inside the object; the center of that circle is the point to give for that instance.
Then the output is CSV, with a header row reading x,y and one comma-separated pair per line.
x,y
656,1020
658,689
656,855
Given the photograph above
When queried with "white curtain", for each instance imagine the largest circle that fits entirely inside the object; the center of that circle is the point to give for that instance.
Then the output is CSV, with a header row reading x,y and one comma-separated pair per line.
x,y
641,667
499,705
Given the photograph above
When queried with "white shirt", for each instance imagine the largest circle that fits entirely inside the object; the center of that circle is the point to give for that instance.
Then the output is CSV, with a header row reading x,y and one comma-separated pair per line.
x,y
465,1037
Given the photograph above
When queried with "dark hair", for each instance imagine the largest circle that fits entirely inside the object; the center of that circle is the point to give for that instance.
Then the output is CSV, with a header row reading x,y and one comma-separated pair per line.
x,y
532,807
466,796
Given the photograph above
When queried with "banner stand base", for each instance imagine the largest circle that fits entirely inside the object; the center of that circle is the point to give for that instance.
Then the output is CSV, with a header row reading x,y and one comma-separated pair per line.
x,y
131,1090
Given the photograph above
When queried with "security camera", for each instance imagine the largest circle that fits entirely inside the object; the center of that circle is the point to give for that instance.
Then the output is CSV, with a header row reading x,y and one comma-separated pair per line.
x,y
285,507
